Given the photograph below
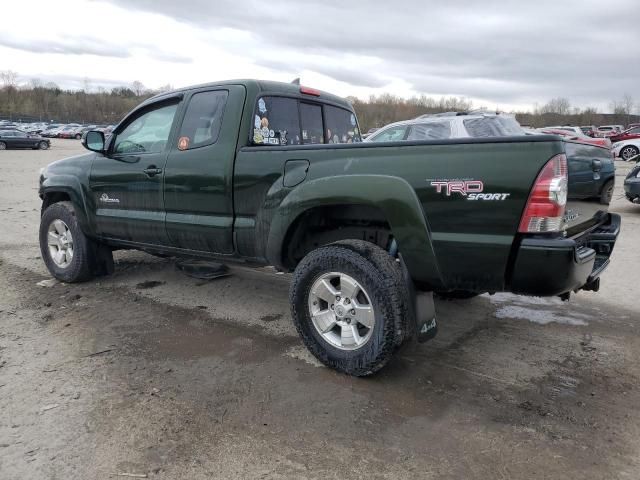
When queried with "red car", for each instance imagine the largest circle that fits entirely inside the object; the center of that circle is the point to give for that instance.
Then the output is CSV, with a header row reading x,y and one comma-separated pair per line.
x,y
629,134
597,141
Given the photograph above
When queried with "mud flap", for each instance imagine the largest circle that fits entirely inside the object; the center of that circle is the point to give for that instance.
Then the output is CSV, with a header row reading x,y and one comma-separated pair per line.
x,y
422,309
425,313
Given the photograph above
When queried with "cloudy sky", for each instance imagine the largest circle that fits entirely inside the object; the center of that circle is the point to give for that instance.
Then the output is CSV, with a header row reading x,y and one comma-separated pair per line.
x,y
509,54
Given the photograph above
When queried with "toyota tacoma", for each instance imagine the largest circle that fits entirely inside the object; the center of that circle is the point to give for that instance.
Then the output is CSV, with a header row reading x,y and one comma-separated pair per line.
x,y
269,173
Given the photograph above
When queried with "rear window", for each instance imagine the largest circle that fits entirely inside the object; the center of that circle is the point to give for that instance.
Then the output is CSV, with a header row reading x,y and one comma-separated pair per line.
x,y
497,126
203,119
276,122
289,121
341,125
311,122
430,131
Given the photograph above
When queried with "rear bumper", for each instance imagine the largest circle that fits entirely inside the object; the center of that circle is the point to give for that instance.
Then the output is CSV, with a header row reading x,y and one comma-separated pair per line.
x,y
549,267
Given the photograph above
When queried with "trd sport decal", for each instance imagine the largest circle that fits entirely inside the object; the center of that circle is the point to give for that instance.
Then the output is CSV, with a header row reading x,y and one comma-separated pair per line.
x,y
469,189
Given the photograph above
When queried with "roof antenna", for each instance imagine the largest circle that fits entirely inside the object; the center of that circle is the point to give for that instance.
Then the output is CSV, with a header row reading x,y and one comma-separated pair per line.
x,y
296,81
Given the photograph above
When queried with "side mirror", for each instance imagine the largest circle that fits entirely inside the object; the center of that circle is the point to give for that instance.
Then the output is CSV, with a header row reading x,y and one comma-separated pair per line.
x,y
94,141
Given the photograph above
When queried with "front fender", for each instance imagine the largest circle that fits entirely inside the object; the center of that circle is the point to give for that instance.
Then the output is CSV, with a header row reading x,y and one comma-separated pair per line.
x,y
71,186
392,195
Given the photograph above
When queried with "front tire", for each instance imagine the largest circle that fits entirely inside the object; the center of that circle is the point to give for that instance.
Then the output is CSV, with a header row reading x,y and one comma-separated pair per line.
x,y
3,146
628,152
349,305
43,145
70,256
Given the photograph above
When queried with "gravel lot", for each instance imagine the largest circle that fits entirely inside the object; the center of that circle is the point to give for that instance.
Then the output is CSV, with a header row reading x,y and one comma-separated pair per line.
x,y
154,373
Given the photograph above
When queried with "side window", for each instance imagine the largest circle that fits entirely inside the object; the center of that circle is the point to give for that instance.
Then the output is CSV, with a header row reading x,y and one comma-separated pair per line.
x,y
311,123
276,122
147,133
341,125
430,131
393,134
202,120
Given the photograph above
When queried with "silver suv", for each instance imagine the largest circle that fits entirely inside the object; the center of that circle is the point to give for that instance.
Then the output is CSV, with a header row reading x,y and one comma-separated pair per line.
x,y
449,125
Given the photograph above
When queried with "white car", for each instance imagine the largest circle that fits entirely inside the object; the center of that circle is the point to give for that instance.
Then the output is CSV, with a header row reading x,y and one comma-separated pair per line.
x,y
608,130
626,149
449,125
577,130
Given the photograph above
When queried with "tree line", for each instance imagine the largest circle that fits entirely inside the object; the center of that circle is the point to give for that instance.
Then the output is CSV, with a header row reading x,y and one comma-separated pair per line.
x,y
38,101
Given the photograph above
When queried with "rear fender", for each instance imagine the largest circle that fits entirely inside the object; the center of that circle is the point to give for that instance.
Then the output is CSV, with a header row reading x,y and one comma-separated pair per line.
x,y
393,195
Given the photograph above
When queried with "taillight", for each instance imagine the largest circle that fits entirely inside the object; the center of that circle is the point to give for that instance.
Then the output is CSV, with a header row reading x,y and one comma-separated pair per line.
x,y
545,208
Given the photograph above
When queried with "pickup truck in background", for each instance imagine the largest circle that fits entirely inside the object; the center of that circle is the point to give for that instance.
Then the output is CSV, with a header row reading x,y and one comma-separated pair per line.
x,y
268,173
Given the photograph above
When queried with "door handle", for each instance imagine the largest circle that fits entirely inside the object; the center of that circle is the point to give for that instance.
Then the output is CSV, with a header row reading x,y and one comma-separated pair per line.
x,y
152,171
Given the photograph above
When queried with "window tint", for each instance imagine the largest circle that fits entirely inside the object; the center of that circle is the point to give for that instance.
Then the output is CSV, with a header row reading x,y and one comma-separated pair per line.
x,y
493,127
341,125
276,122
6,133
430,131
203,119
393,134
311,123
634,130
147,133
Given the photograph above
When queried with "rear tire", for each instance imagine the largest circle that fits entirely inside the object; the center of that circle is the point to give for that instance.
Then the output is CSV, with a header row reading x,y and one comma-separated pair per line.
x,y
43,145
3,146
607,193
370,320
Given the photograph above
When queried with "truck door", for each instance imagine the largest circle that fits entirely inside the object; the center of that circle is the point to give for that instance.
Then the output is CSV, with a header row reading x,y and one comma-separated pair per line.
x,y
126,182
198,176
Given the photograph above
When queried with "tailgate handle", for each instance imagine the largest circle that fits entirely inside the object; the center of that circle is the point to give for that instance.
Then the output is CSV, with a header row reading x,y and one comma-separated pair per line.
x,y
596,165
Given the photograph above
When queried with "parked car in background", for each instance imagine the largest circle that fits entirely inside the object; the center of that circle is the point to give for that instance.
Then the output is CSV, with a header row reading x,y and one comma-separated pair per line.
x,y
600,142
591,166
632,185
14,138
370,132
69,131
628,134
449,125
51,130
589,130
608,130
568,128
627,149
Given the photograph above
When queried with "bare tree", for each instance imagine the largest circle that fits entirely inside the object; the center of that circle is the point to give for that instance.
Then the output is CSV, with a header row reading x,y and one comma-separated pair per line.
x,y
9,78
138,88
558,105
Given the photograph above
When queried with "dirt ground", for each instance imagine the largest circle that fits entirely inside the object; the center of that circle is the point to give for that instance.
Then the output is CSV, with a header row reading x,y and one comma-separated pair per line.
x,y
153,373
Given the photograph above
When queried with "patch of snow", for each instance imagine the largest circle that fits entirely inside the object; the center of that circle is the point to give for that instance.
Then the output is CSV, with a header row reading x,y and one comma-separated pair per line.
x,y
542,317
301,353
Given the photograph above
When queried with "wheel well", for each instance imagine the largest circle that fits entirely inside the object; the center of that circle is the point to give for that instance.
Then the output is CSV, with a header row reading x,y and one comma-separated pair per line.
x,y
53,197
327,224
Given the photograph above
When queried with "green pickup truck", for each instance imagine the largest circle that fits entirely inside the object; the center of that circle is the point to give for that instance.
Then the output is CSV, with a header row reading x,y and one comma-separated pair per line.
x,y
269,173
